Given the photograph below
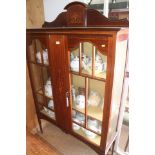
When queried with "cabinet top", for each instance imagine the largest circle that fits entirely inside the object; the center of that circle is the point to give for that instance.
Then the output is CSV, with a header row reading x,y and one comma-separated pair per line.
x,y
77,15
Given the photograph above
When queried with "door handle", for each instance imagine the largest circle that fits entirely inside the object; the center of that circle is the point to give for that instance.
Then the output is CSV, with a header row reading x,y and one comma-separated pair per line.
x,y
67,99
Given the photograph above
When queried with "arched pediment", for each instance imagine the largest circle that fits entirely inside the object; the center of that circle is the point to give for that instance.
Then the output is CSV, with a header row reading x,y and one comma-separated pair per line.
x,y
77,14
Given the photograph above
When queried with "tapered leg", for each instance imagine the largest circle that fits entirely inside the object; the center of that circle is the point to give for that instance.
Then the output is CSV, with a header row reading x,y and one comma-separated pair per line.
x,y
41,130
127,144
113,146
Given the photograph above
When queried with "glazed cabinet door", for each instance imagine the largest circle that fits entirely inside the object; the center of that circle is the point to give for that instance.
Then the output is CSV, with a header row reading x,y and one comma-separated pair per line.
x,y
87,76
40,76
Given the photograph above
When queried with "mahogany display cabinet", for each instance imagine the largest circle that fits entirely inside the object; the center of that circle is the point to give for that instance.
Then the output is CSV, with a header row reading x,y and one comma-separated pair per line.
x,y
76,66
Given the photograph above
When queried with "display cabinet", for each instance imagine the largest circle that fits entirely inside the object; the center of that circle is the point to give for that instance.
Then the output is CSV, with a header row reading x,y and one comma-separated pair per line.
x,y
76,66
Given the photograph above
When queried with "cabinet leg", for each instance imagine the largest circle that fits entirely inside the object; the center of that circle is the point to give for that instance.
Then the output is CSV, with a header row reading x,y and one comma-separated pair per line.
x,y
41,130
113,146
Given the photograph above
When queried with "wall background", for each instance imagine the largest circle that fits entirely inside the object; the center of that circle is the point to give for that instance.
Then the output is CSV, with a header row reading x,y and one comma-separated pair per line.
x,y
54,7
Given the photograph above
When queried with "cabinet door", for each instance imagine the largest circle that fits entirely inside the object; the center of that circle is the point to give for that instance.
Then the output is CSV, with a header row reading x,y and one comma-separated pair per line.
x,y
87,72
40,75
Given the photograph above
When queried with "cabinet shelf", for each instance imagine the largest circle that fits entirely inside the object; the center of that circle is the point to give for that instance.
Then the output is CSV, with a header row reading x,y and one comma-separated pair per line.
x,y
46,106
93,112
40,91
81,133
86,128
39,64
88,76
45,113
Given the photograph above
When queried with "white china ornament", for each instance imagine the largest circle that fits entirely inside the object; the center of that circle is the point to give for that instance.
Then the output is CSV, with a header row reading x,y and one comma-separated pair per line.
x,y
80,101
51,104
45,56
48,88
75,64
94,98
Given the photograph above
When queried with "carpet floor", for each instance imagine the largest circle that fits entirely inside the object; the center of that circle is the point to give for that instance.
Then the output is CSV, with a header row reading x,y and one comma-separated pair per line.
x,y
66,144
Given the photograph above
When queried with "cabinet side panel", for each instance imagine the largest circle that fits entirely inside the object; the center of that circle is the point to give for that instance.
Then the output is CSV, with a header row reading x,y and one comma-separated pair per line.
x,y
120,58
31,118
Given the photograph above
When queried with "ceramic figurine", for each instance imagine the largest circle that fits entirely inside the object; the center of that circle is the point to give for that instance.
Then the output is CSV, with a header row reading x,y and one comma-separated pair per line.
x,y
48,88
45,56
93,124
80,117
98,58
94,98
51,104
38,56
100,65
71,56
80,101
75,64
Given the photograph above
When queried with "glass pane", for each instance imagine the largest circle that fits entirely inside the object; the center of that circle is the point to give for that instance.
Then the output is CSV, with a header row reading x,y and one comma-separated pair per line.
x,y
36,75
74,60
94,125
90,136
86,53
40,99
100,65
38,53
78,92
113,122
95,100
48,112
31,53
50,104
47,83
78,117
41,52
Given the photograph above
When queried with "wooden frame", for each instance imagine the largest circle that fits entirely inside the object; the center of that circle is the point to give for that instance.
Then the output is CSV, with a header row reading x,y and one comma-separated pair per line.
x,y
76,25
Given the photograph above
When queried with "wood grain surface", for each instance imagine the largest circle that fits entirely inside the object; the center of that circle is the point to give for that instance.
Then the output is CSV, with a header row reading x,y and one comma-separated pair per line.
x,y
36,146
